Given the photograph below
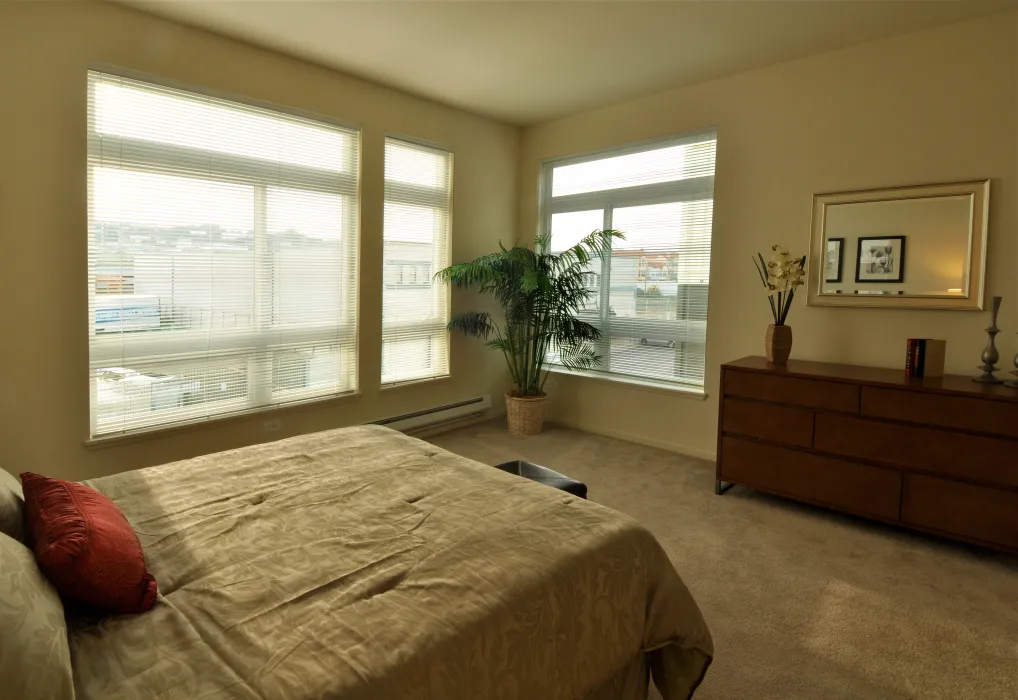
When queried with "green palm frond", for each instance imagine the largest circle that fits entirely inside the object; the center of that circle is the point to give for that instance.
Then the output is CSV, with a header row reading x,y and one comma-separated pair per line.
x,y
540,294
476,324
478,273
569,330
596,244
580,357
535,279
500,344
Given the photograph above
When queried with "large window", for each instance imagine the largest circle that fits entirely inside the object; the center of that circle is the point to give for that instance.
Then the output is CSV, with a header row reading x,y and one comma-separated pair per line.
x,y
650,294
222,256
415,306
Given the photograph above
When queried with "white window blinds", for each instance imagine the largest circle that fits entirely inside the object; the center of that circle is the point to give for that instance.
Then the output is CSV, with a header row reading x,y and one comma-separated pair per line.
x,y
650,300
221,258
415,306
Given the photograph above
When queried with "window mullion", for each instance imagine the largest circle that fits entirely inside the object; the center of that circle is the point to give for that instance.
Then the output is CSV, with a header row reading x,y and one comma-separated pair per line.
x,y
606,267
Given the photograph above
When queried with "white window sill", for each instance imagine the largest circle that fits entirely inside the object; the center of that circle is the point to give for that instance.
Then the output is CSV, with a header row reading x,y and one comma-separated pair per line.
x,y
679,390
413,382
122,438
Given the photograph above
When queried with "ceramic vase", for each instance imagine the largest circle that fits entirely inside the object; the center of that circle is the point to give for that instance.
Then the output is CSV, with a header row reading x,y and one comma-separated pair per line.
x,y
778,343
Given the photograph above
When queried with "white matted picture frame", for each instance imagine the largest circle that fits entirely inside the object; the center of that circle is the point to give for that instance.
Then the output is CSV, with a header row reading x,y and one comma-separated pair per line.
x,y
880,259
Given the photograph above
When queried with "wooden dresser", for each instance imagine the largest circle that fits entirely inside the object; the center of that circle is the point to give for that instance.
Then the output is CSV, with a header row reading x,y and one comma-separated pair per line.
x,y
935,454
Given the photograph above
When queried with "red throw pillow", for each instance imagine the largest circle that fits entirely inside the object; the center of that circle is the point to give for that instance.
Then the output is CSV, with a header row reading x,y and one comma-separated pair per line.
x,y
86,547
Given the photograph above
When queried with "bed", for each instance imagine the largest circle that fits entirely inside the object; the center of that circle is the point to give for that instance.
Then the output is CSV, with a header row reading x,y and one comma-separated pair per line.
x,y
361,563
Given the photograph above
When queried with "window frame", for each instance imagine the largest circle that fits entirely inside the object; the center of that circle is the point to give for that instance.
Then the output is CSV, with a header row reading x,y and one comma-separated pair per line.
x,y
446,201
684,190
180,345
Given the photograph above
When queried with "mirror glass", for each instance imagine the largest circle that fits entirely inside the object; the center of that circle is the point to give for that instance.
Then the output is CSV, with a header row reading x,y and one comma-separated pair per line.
x,y
921,246
908,246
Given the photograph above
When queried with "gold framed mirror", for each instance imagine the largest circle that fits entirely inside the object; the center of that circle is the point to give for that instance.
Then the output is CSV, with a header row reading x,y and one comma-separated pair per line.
x,y
920,247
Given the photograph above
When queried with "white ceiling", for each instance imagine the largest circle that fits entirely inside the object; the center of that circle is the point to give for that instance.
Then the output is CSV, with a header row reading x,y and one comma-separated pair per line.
x,y
523,61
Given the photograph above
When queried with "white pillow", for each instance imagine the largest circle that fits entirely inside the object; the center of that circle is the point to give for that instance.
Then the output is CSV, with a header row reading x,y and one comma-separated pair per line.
x,y
12,507
35,660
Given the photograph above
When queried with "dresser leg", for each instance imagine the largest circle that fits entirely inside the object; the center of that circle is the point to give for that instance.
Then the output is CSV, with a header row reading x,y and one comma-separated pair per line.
x,y
721,486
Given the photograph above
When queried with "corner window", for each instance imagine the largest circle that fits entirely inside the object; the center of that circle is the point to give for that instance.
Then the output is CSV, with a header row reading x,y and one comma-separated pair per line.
x,y
222,256
650,300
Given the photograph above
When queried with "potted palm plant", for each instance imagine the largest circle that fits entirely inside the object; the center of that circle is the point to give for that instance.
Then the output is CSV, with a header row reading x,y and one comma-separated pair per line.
x,y
540,293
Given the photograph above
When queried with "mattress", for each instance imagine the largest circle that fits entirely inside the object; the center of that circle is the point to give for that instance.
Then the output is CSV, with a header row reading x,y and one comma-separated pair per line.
x,y
364,564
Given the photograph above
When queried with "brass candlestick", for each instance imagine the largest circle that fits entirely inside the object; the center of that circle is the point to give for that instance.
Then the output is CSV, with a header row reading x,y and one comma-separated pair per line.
x,y
990,353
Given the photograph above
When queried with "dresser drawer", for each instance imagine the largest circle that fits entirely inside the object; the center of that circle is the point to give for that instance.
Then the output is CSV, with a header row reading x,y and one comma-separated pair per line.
x,y
810,393
984,415
990,460
785,424
857,488
975,512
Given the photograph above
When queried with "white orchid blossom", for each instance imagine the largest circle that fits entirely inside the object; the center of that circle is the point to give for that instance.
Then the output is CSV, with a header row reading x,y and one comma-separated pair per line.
x,y
781,275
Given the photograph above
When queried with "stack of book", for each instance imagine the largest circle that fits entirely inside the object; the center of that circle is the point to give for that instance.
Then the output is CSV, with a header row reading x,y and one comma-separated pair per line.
x,y
925,357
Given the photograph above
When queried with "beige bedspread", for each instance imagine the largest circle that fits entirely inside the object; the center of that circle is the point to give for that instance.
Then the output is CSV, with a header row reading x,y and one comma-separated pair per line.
x,y
364,564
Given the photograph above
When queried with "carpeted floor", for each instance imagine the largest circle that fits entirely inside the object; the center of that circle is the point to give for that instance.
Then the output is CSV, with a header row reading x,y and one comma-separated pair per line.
x,y
803,603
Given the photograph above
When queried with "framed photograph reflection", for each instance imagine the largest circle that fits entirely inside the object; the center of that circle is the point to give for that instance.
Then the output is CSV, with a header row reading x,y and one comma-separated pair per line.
x,y
881,259
832,263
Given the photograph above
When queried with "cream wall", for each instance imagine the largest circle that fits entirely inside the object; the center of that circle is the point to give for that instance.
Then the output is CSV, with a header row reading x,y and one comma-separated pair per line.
x,y
934,106
45,48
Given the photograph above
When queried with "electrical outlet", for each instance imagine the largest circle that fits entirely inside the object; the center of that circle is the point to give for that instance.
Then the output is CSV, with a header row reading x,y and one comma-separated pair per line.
x,y
272,425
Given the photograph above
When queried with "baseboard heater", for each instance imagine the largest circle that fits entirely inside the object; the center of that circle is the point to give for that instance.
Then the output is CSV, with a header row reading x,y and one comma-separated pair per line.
x,y
430,417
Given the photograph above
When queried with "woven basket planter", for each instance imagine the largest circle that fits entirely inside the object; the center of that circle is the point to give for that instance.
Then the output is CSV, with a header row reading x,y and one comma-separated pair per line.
x,y
525,414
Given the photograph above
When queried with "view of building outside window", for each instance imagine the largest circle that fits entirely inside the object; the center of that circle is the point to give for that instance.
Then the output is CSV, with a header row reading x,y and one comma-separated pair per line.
x,y
650,294
221,288
416,230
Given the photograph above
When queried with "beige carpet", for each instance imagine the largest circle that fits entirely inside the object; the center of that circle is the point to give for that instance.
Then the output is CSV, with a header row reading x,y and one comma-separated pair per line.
x,y
803,603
